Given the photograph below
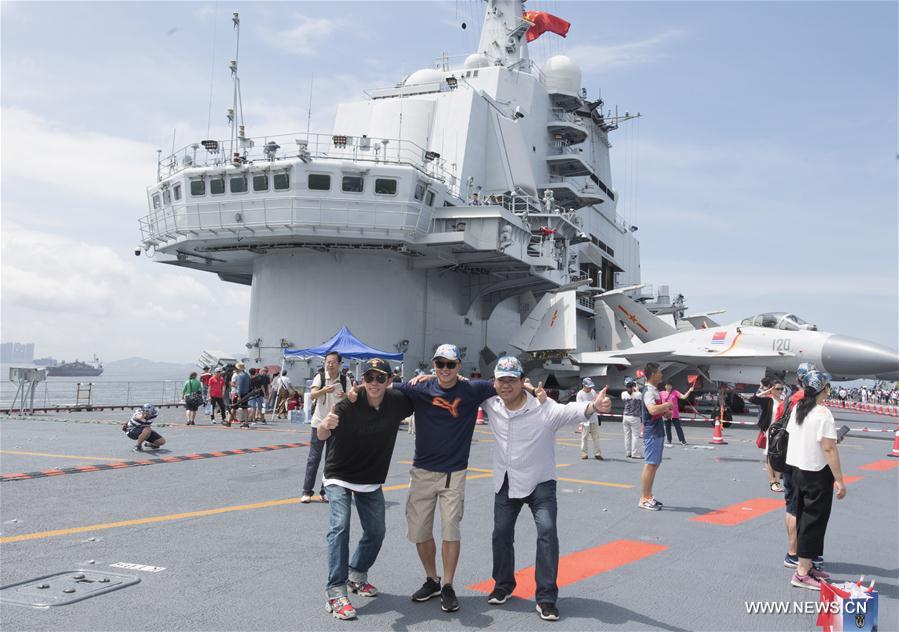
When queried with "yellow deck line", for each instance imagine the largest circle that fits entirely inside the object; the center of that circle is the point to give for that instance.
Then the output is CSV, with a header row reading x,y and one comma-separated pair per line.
x,y
65,456
603,483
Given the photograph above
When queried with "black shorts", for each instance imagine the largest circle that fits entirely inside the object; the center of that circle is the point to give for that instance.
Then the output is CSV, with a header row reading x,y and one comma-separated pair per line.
x,y
134,433
791,498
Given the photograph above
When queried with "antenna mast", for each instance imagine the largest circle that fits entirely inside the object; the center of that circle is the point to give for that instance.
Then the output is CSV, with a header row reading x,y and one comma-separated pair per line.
x,y
237,130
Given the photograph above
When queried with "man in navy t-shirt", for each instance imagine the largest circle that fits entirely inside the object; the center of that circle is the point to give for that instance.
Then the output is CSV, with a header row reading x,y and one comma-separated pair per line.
x,y
445,413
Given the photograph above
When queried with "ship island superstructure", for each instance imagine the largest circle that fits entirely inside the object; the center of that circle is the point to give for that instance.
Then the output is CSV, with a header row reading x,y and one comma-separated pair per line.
x,y
372,225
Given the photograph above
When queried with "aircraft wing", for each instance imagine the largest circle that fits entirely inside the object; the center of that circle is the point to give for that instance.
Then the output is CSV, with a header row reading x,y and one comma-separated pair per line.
x,y
645,325
702,321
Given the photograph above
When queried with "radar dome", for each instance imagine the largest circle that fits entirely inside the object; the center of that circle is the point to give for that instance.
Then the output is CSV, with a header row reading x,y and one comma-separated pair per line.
x,y
562,74
425,75
476,60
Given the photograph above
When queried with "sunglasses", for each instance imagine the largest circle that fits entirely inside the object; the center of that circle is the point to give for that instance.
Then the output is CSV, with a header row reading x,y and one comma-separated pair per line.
x,y
371,377
778,388
440,364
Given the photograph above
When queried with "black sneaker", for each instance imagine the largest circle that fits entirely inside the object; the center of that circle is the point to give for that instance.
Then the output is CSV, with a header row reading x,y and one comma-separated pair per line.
x,y
548,611
137,448
448,601
498,596
431,588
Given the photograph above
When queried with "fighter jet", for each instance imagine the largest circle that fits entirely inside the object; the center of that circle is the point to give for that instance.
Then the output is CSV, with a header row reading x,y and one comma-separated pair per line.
x,y
741,352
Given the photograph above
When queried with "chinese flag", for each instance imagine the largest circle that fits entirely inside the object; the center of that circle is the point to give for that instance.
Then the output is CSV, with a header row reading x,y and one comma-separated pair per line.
x,y
543,22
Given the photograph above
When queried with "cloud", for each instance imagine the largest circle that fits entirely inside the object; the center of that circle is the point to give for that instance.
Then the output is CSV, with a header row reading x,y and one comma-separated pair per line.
x,y
615,57
77,161
72,298
304,35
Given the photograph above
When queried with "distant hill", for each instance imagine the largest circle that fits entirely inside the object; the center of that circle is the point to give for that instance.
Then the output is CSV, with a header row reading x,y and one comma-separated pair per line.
x,y
148,369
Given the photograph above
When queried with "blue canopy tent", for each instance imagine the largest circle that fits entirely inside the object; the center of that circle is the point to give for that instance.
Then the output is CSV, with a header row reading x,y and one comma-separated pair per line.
x,y
347,345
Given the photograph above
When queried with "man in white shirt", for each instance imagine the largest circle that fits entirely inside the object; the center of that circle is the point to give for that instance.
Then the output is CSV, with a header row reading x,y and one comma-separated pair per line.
x,y
591,426
328,388
524,473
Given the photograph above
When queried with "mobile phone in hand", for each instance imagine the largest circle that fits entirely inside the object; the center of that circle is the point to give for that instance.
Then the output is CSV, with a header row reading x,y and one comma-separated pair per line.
x,y
842,431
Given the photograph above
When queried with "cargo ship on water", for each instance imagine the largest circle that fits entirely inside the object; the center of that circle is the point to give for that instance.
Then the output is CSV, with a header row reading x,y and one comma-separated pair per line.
x,y
76,369
442,209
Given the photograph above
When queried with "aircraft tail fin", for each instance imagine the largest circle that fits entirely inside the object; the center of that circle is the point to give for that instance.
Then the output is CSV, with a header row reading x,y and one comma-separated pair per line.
x,y
551,325
645,325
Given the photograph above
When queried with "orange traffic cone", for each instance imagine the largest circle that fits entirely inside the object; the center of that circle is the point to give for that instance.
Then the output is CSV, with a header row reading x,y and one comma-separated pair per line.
x,y
480,420
895,451
717,437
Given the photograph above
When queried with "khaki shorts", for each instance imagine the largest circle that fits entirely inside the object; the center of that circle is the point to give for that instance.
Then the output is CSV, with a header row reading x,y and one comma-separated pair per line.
x,y
426,488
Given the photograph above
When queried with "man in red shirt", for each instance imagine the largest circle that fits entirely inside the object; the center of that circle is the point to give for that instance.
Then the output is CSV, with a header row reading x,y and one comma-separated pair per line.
x,y
216,386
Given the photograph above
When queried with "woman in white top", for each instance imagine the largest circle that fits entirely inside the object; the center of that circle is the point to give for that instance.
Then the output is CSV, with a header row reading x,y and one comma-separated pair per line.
x,y
812,451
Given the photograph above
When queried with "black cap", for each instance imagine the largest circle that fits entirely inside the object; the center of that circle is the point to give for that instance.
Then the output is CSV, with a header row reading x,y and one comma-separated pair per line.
x,y
377,364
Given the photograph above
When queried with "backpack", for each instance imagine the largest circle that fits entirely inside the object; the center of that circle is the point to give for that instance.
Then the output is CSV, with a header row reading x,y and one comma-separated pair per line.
x,y
321,381
779,439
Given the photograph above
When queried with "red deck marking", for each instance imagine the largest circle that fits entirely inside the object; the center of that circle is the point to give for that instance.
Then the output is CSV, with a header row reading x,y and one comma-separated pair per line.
x,y
581,565
52,472
880,466
218,454
119,465
87,468
848,480
258,449
195,456
171,459
19,475
741,512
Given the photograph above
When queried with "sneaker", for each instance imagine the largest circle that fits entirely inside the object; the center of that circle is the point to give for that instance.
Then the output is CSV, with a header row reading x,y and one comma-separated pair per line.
x,y
818,561
448,600
658,502
362,588
341,608
598,457
650,505
498,596
683,443
777,487
583,457
791,561
628,456
323,496
805,581
305,498
137,448
548,611
669,445
431,588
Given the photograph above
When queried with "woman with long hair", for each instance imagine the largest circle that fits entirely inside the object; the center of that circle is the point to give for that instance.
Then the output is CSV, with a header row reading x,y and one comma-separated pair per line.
x,y
767,398
812,451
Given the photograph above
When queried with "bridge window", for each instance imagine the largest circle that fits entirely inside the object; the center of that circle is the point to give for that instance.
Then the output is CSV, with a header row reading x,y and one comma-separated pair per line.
x,y
166,197
217,186
197,188
385,186
260,182
420,191
282,181
429,198
239,184
353,184
177,192
319,182
156,200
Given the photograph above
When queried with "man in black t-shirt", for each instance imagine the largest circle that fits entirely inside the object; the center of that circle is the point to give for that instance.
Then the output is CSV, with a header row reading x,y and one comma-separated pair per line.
x,y
360,438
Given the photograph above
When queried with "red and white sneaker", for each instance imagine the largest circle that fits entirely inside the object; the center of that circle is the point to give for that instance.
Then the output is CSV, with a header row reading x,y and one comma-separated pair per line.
x,y
362,588
341,608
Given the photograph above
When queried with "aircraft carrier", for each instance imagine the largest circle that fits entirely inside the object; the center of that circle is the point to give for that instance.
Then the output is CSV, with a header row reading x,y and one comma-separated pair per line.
x,y
376,217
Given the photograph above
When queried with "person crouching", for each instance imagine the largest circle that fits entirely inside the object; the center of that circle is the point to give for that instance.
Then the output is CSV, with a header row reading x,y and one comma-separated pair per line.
x,y
139,428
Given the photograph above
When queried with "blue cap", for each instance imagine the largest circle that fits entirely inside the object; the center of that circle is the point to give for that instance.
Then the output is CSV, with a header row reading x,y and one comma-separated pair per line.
x,y
587,382
508,366
816,380
804,369
447,352
629,381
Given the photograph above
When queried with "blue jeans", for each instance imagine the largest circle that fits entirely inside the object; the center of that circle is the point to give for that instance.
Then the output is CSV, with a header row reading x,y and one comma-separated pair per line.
x,y
542,502
341,568
316,446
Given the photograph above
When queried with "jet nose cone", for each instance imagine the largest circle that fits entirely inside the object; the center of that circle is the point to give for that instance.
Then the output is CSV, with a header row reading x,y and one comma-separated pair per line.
x,y
844,356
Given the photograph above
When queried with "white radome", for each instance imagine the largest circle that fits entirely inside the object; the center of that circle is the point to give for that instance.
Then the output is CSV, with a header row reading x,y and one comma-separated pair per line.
x,y
425,75
476,60
561,73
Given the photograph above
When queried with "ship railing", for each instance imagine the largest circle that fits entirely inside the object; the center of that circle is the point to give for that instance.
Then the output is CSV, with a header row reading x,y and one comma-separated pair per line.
x,y
449,63
279,215
54,393
260,151
558,114
559,148
585,301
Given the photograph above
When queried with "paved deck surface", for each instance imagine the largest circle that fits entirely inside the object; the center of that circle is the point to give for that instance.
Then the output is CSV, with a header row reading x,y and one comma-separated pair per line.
x,y
240,553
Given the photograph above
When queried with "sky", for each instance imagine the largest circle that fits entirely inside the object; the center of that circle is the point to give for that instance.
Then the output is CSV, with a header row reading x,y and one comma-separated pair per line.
x,y
762,173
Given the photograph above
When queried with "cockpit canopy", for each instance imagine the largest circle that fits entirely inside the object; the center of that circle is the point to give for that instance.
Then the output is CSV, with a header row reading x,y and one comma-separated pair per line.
x,y
778,320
